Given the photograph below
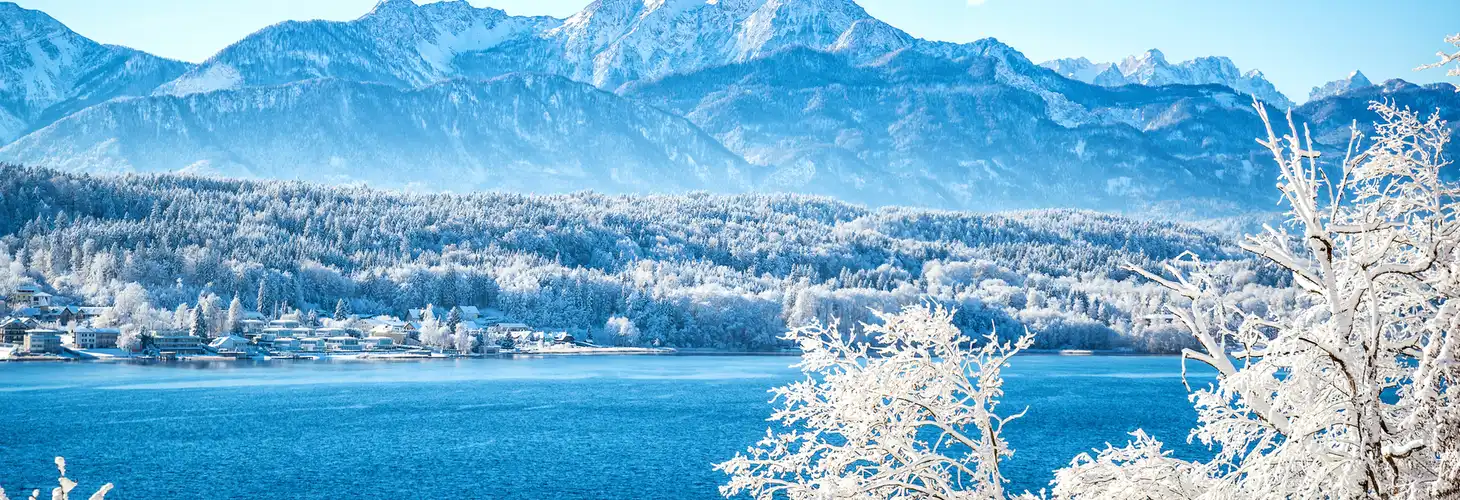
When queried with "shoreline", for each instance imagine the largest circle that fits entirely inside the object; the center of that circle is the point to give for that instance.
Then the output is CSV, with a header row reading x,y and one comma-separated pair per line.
x,y
410,356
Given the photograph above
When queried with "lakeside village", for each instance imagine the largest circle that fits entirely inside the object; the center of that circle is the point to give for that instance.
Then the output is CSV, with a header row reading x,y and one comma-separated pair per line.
x,y
32,328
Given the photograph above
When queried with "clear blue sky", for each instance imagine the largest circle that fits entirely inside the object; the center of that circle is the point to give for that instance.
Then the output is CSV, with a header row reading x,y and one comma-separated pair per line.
x,y
1296,43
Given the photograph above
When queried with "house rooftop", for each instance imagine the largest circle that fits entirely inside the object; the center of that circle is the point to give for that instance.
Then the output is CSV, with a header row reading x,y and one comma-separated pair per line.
x,y
15,319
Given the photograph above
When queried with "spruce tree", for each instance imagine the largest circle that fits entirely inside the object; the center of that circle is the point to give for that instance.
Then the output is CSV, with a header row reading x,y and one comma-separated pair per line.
x,y
342,310
453,318
200,324
263,298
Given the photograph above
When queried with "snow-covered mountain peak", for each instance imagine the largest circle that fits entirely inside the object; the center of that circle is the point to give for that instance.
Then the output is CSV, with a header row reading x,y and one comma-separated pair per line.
x,y
398,43
393,7
1082,69
1152,56
674,6
1355,81
20,24
435,12
1218,64
1152,68
615,41
47,70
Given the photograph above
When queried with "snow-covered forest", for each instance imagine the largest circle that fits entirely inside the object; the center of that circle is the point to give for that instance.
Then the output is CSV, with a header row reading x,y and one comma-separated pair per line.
x,y
1351,392
695,270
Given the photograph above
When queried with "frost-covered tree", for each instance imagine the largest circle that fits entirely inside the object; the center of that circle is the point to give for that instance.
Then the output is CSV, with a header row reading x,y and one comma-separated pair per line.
x,y
911,415
261,301
65,485
130,338
199,324
621,331
1354,394
689,271
235,316
213,314
453,319
1448,58
130,307
463,339
342,310
432,333
182,317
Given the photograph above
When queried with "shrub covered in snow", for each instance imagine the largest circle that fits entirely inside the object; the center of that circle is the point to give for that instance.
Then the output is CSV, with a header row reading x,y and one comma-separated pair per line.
x,y
912,416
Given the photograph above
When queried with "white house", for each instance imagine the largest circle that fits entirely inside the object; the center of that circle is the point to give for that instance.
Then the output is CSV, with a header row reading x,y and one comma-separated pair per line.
x,y
342,343
386,322
397,338
509,329
231,343
286,344
41,299
178,343
252,326
284,323
95,338
42,341
336,332
311,344
23,295
377,343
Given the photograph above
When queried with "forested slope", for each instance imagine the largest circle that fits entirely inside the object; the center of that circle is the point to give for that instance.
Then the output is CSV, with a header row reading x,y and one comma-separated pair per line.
x,y
692,270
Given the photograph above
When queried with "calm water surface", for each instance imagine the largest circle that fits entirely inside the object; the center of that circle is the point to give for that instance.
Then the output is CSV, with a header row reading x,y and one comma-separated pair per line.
x,y
555,428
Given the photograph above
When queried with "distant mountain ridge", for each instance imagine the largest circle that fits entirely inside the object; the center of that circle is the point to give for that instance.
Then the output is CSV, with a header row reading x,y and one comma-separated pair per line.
x,y
398,43
1151,68
1355,81
517,132
884,132
48,71
811,96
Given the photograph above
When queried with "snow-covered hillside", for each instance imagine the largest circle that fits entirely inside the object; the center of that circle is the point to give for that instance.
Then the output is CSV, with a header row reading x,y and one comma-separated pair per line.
x,y
48,71
616,41
963,134
398,43
522,133
811,96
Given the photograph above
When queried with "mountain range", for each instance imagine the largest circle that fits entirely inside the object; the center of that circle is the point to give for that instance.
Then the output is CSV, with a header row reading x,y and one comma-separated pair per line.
x,y
811,96
1152,69
48,71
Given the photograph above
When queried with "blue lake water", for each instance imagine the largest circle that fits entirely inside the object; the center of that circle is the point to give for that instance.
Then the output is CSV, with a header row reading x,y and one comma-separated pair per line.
x,y
627,427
